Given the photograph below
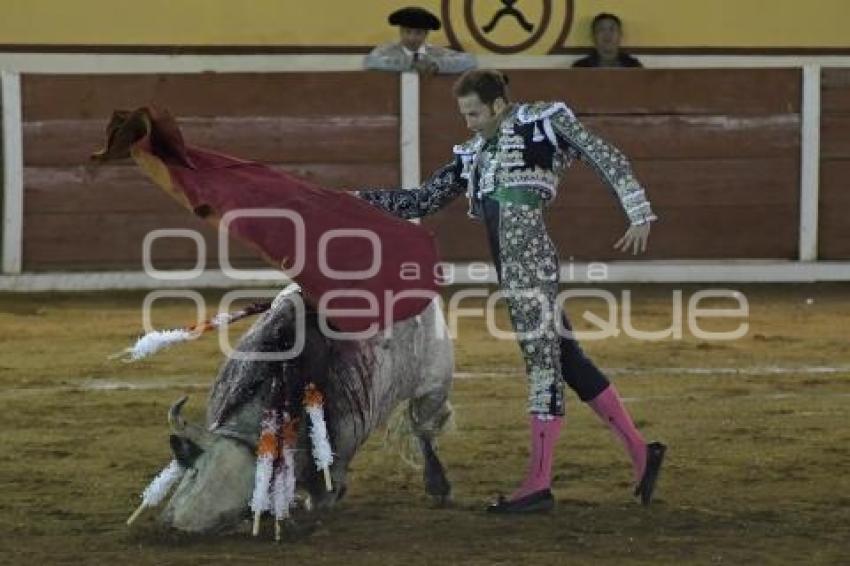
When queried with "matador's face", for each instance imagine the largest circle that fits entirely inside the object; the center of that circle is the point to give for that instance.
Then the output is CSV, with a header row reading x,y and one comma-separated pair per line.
x,y
480,117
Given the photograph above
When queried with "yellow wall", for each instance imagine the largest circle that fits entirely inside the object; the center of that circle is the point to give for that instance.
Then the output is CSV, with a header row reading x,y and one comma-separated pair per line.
x,y
649,23
723,23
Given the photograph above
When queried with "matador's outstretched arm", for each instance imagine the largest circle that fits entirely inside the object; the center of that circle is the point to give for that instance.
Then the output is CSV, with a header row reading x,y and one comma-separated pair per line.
x,y
435,193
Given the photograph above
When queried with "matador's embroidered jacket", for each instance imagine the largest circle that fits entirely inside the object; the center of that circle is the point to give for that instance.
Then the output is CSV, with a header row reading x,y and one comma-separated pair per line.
x,y
508,180
535,145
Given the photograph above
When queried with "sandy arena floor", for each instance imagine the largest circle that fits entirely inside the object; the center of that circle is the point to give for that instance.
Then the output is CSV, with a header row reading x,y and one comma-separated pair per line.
x,y
758,469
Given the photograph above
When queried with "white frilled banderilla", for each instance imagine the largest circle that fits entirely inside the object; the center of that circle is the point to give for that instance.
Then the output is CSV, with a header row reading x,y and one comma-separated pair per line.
x,y
274,479
156,491
322,453
158,340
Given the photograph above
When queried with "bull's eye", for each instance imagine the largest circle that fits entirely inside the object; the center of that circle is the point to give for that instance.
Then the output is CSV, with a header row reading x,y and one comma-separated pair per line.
x,y
185,451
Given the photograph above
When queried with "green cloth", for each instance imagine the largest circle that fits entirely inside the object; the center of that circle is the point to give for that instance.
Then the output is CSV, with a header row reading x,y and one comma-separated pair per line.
x,y
517,196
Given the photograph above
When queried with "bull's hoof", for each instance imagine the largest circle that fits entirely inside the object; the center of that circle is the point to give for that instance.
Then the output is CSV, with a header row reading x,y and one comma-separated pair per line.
x,y
300,529
442,501
436,484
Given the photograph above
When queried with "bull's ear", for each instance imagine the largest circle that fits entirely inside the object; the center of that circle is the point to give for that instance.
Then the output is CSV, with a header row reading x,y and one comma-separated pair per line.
x,y
185,451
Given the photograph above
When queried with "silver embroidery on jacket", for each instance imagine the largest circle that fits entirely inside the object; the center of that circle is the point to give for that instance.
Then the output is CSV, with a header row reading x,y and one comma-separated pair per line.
x,y
609,162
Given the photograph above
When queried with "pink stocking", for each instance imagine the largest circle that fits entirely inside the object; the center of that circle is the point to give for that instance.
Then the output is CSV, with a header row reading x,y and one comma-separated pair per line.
x,y
544,435
610,409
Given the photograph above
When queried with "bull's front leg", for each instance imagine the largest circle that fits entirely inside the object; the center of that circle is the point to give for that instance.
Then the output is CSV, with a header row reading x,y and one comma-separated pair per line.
x,y
320,498
428,415
436,483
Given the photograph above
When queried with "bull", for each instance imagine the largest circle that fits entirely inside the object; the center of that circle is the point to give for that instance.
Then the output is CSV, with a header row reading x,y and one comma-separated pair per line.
x,y
363,381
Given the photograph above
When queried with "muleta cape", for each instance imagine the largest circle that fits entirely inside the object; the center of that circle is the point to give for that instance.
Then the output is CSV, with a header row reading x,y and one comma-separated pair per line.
x,y
398,267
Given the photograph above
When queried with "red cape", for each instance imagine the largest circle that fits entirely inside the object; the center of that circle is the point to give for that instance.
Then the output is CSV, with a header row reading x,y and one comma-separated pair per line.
x,y
212,184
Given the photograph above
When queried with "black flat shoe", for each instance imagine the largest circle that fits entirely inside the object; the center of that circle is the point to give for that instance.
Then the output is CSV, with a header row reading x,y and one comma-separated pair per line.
x,y
538,502
654,458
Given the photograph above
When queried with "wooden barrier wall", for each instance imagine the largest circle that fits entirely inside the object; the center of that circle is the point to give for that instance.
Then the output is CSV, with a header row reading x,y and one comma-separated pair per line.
x,y
834,232
338,129
718,150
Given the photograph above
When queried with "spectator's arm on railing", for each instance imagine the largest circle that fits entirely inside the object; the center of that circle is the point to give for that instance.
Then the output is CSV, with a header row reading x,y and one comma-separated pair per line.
x,y
388,57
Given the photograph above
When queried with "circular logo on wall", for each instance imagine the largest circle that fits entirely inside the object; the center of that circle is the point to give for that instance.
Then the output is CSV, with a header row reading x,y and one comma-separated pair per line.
x,y
508,26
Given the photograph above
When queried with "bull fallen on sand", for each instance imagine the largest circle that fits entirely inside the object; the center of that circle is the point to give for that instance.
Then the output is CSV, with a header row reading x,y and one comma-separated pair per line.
x,y
363,381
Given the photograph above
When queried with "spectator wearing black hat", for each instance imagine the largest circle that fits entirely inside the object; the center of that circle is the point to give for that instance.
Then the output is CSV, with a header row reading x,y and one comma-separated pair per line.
x,y
412,53
607,35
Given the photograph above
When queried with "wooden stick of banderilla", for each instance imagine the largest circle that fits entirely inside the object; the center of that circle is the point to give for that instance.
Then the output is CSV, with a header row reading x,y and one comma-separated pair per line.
x,y
136,514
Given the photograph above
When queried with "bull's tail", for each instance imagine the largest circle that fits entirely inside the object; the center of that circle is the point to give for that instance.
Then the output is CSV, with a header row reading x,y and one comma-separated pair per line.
x,y
409,423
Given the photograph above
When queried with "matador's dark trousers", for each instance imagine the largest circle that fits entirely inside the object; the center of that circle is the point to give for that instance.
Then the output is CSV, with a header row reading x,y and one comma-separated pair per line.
x,y
529,273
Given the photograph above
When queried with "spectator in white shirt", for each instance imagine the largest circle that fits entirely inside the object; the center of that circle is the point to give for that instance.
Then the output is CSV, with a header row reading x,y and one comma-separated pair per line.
x,y
412,52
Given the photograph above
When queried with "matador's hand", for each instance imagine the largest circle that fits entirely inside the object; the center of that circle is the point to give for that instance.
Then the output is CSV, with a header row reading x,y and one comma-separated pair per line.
x,y
635,239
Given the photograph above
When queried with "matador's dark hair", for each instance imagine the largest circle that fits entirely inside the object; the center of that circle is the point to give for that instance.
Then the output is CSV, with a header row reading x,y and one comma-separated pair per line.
x,y
488,84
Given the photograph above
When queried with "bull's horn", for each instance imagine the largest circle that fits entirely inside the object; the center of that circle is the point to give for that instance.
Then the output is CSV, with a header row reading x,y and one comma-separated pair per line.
x,y
182,427
174,419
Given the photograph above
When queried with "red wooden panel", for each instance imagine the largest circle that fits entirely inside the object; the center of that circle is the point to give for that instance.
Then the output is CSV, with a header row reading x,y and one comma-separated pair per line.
x,y
96,217
271,139
719,232
336,129
93,189
693,183
834,230
655,91
835,136
835,78
92,241
54,97
670,137
718,150
835,96
716,232
123,188
699,203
